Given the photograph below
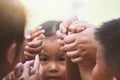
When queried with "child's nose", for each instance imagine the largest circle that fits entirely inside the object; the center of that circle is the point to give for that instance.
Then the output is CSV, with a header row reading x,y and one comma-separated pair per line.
x,y
53,67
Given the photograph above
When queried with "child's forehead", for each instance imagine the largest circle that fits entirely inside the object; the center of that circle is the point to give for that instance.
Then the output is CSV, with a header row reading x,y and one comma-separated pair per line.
x,y
48,54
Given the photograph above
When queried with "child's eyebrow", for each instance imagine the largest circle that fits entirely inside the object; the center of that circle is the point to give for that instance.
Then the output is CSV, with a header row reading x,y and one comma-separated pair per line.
x,y
61,53
44,55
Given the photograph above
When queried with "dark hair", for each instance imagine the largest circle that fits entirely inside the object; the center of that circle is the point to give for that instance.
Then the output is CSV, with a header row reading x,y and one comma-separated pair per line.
x,y
109,37
12,23
50,27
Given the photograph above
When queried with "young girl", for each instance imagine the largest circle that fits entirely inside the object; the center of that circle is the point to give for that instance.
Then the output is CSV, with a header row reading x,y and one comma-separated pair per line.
x,y
12,24
52,58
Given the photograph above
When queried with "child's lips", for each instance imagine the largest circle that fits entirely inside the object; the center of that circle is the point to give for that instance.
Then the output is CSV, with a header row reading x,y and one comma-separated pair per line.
x,y
53,78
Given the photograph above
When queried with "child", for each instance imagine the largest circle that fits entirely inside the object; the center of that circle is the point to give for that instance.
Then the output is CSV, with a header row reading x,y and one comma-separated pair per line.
x,y
108,53
107,60
52,59
12,22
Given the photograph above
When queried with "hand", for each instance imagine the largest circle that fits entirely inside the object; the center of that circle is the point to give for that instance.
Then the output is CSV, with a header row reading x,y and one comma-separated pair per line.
x,y
81,47
32,71
34,42
64,27
70,26
16,73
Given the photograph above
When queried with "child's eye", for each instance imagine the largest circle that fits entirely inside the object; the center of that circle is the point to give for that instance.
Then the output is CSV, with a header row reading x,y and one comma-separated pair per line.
x,y
62,59
44,59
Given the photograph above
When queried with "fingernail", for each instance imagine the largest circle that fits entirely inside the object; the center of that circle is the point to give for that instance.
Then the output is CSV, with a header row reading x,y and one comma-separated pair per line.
x,y
64,31
58,40
26,47
42,36
42,30
29,43
25,52
28,37
19,64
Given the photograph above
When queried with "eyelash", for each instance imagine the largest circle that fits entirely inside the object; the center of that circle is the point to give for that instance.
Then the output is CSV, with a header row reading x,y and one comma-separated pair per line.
x,y
44,59
62,59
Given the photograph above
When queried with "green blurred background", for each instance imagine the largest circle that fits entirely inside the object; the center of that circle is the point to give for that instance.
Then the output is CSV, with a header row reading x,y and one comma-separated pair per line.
x,y
93,11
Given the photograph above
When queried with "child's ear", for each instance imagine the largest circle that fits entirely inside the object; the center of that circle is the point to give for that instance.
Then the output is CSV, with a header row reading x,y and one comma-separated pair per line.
x,y
11,53
114,78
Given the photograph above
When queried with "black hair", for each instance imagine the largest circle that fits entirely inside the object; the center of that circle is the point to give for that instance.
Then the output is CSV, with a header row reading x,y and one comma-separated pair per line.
x,y
50,27
108,35
12,23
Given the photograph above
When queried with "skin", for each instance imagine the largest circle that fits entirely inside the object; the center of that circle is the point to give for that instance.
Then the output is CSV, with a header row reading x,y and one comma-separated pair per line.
x,y
53,61
34,46
31,70
33,42
81,48
100,68
79,44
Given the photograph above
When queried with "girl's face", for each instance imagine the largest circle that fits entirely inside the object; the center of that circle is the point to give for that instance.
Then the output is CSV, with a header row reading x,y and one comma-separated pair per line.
x,y
53,61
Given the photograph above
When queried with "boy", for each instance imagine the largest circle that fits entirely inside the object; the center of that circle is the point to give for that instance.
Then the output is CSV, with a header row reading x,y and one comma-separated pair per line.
x,y
108,53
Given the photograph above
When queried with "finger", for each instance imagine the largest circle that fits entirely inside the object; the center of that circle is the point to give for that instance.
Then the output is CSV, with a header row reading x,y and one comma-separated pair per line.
x,y
18,70
29,55
80,29
27,34
74,18
63,28
35,43
70,38
77,26
12,76
36,64
60,34
26,69
67,23
36,34
61,42
32,71
33,50
73,54
36,29
41,70
76,60
69,47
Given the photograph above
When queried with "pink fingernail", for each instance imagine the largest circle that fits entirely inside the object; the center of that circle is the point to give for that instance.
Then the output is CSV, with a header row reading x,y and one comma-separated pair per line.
x,y
26,47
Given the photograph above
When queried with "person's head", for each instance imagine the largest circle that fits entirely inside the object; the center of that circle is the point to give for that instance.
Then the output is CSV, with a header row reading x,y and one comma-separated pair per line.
x,y
12,22
52,59
108,53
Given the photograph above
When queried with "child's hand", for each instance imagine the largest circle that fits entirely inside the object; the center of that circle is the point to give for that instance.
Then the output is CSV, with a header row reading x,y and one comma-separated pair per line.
x,y
34,42
32,71
71,26
16,73
64,29
81,47
79,26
